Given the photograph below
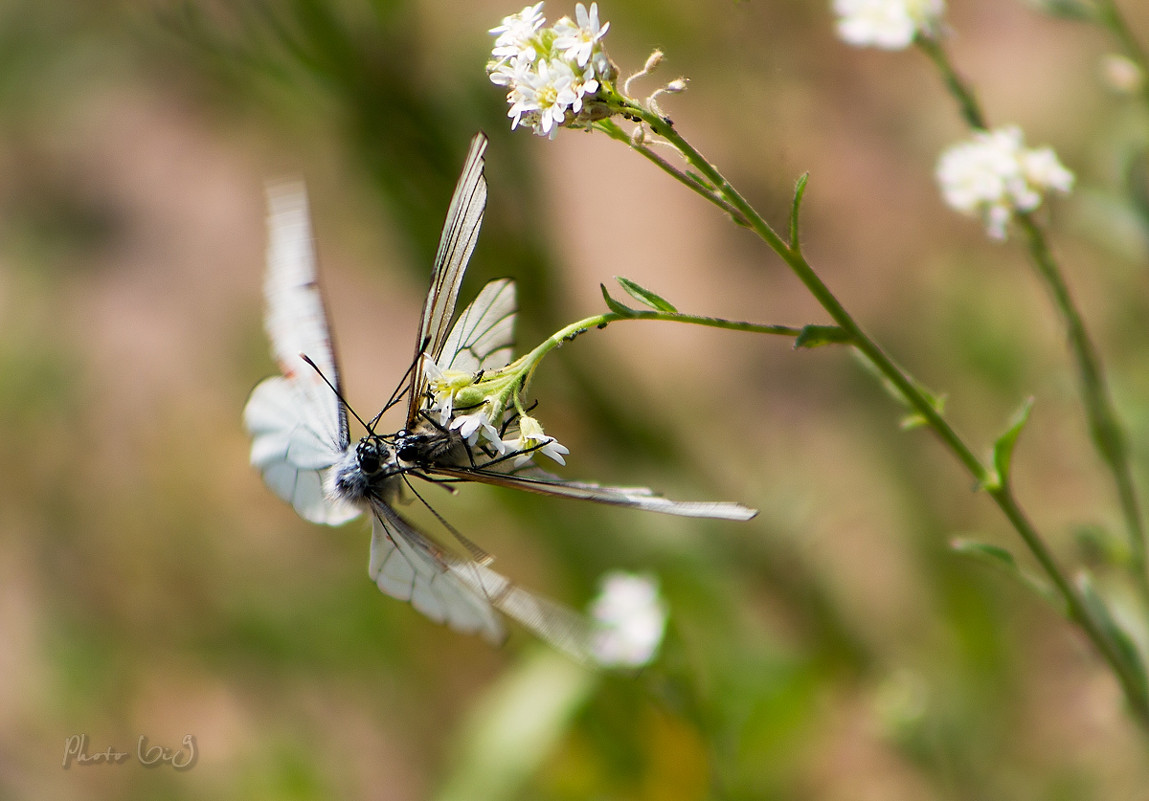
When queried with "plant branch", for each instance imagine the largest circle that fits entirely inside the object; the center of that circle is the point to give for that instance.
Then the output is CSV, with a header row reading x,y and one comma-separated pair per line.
x,y
997,487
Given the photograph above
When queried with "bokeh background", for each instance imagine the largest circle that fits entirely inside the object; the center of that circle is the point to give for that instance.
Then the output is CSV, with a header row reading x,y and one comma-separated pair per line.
x,y
832,648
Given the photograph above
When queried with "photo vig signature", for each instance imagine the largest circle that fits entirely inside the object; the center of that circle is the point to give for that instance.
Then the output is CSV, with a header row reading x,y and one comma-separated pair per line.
x,y
182,758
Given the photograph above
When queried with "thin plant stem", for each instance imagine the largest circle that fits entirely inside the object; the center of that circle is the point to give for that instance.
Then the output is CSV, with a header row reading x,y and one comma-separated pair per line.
x,y
970,109
1105,428
603,320
723,195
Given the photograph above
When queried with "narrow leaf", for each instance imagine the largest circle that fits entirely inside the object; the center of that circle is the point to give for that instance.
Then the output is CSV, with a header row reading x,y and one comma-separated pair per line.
x,y
616,307
985,552
644,295
1003,560
1068,9
799,192
1003,447
514,727
812,336
1098,609
915,419
701,181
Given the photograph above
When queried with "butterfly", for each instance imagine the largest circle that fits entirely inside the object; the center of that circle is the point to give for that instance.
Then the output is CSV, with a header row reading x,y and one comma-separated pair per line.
x,y
301,439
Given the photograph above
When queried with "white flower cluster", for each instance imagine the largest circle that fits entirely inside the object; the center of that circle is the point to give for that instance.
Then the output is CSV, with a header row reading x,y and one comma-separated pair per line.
x,y
552,74
888,24
630,618
995,175
502,433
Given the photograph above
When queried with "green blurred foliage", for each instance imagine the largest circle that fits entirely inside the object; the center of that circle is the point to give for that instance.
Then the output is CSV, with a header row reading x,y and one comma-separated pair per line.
x,y
834,647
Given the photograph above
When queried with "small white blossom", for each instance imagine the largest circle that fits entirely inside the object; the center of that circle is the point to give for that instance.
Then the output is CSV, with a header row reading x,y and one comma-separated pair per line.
x,y
532,440
888,24
470,426
551,73
577,41
516,33
994,175
1042,168
444,385
543,97
630,618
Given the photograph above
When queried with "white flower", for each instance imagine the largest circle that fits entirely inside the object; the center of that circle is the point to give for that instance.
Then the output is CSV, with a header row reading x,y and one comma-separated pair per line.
x,y
888,24
543,97
584,85
532,440
516,33
1042,168
994,175
629,618
550,73
470,426
444,385
577,42
509,72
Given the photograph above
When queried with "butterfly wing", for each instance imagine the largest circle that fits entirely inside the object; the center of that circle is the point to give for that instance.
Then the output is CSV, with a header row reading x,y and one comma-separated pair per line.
x,y
543,483
297,423
460,232
462,593
483,336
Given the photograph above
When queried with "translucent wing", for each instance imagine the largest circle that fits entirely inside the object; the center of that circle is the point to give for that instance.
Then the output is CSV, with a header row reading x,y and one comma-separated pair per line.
x,y
460,231
461,593
298,425
483,336
643,498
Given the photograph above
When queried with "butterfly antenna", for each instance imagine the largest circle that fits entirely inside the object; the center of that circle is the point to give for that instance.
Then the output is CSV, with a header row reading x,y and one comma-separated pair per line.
x,y
338,394
403,386
476,552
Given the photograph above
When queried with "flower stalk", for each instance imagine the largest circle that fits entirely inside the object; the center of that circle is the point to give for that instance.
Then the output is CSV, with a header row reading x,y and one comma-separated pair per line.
x,y
996,177
1106,431
721,193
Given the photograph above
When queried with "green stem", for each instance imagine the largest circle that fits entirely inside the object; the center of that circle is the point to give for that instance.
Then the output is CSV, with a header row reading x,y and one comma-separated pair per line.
x,y
555,340
970,110
1107,434
1000,492
1108,437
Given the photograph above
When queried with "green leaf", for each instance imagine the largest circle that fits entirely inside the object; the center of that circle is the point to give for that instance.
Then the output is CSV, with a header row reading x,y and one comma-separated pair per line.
x,y
1066,9
812,336
985,552
799,192
915,419
1098,609
1002,559
1003,447
643,295
616,307
700,180
1098,545
513,727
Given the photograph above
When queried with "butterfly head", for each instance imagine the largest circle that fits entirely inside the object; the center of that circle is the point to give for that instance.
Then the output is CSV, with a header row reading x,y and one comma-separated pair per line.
x,y
363,471
372,456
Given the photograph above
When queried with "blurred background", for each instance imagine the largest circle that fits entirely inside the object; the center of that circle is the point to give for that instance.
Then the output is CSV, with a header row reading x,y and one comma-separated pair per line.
x,y
832,648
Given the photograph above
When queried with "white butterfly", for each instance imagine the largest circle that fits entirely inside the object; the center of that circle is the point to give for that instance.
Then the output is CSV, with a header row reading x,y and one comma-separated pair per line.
x,y
301,439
